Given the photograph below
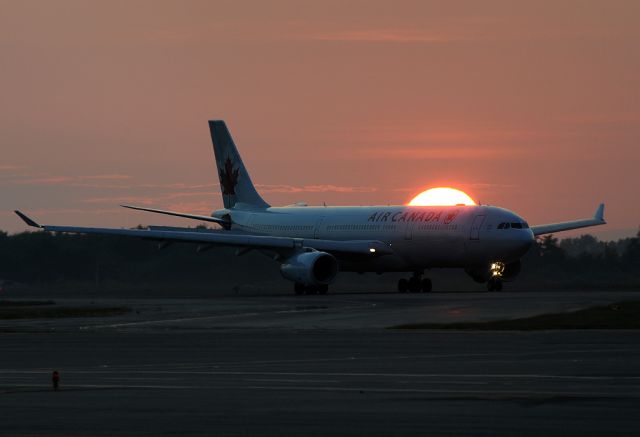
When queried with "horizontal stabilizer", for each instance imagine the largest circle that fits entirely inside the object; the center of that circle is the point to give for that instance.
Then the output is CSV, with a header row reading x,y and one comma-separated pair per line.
x,y
204,218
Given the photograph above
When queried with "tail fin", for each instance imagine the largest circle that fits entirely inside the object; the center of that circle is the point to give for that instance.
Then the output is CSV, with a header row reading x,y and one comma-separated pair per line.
x,y
235,182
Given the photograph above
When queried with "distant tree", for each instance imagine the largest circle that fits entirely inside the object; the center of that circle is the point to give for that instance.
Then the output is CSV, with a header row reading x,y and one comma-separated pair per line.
x,y
631,255
550,250
584,244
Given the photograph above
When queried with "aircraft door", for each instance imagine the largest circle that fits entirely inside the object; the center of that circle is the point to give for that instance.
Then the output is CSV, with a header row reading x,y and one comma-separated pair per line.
x,y
475,227
316,229
408,232
250,222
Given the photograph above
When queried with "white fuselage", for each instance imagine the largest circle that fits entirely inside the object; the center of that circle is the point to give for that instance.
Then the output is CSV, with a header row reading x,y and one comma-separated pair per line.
x,y
420,236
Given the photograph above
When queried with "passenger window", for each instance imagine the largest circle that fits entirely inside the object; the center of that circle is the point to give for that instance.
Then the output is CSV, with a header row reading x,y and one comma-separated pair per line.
x,y
501,226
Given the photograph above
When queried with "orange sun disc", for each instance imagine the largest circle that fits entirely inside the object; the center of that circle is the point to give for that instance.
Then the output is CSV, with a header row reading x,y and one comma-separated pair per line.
x,y
442,196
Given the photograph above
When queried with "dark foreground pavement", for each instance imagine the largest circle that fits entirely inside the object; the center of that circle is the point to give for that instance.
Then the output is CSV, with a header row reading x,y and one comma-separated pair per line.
x,y
197,379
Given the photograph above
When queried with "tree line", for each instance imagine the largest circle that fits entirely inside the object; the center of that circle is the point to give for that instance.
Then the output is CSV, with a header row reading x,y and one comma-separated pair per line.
x,y
45,259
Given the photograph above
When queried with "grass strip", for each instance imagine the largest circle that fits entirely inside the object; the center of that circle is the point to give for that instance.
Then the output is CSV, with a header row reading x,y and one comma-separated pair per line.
x,y
60,312
621,315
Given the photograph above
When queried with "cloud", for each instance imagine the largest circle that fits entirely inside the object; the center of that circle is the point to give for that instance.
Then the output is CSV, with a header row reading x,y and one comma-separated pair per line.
x,y
102,177
161,199
76,181
394,36
9,167
191,194
416,140
117,200
490,186
445,133
178,185
202,207
630,118
476,186
479,152
58,211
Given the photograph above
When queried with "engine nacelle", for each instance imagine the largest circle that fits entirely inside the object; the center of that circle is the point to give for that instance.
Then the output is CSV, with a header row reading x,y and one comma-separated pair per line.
x,y
310,268
506,272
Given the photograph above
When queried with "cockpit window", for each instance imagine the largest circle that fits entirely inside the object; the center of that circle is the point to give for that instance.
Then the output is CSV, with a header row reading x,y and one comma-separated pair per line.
x,y
513,225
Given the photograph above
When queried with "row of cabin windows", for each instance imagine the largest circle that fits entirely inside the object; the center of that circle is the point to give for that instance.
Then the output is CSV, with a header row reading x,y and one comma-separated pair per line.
x,y
360,227
516,225
437,227
364,227
284,227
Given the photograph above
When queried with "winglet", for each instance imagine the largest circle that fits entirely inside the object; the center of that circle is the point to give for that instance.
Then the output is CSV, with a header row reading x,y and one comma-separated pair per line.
x,y
600,213
27,220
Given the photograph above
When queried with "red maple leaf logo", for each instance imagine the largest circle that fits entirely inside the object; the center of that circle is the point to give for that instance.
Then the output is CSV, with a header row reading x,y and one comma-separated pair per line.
x,y
451,216
229,177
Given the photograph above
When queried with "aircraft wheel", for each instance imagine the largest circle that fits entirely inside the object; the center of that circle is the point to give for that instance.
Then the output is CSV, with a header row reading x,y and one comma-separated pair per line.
x,y
414,285
403,285
298,288
426,285
323,289
498,285
311,289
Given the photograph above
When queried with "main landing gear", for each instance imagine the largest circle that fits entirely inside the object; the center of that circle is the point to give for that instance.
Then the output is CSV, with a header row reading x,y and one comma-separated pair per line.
x,y
415,284
300,288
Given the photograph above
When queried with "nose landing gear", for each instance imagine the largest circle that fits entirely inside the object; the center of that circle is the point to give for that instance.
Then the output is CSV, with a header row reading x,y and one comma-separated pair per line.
x,y
494,284
415,284
495,281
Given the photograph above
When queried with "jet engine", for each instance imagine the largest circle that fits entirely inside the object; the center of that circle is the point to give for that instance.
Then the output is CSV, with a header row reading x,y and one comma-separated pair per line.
x,y
504,271
310,268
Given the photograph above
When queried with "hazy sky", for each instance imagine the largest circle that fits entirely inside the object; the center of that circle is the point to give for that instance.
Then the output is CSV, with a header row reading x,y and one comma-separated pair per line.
x,y
534,106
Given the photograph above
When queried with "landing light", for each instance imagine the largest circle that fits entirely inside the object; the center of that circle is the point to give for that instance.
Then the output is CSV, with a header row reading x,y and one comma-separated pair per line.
x,y
372,250
497,269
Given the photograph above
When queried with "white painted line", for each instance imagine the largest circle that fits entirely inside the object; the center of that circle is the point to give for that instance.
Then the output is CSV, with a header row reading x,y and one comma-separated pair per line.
x,y
156,322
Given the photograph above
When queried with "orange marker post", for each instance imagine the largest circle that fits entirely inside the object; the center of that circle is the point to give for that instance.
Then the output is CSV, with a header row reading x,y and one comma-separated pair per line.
x,y
55,379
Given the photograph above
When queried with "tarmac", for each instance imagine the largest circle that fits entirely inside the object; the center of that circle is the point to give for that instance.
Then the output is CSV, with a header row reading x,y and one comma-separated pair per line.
x,y
319,365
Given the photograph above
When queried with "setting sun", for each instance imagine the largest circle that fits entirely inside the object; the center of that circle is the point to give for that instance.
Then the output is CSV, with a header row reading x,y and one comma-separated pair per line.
x,y
442,196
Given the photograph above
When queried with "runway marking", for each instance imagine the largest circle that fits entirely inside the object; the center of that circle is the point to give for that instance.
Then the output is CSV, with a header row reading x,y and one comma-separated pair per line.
x,y
354,305
512,393
154,322
395,375
405,357
354,358
335,381
342,374
483,393
70,386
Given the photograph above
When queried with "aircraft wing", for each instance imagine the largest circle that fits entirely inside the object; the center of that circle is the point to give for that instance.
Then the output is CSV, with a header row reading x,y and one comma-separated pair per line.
x,y
368,248
598,219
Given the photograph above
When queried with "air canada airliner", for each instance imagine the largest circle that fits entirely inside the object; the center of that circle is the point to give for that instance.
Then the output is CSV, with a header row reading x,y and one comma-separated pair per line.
x,y
313,244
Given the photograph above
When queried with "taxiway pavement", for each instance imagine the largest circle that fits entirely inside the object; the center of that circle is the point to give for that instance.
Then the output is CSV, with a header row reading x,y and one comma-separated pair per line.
x,y
319,365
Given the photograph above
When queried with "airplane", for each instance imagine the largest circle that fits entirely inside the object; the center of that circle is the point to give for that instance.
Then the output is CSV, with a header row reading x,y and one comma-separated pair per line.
x,y
313,244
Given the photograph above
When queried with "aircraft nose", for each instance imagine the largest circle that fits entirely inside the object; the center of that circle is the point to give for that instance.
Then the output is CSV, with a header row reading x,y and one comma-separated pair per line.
x,y
523,242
